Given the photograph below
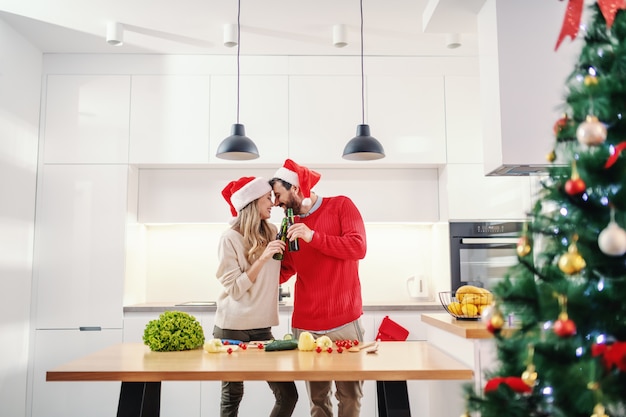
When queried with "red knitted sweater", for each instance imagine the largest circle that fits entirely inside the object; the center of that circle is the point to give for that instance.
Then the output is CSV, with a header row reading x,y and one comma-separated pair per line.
x,y
327,291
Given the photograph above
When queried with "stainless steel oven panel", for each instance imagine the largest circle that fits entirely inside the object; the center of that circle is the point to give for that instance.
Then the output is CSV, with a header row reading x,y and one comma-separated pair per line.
x,y
488,241
482,252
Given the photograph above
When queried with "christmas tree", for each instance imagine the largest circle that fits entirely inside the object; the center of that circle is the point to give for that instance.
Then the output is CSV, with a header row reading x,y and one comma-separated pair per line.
x,y
565,352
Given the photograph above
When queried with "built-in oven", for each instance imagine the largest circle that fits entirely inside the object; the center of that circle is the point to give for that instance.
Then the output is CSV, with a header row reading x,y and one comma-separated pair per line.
x,y
481,252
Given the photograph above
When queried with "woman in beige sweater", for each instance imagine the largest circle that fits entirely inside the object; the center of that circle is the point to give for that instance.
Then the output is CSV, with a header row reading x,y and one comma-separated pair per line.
x,y
247,308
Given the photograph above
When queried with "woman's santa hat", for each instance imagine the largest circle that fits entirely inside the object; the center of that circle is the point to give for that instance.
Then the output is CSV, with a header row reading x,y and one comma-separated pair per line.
x,y
298,175
245,190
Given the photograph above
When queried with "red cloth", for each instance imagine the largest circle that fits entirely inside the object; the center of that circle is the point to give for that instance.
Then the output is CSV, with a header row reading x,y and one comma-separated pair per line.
x,y
327,291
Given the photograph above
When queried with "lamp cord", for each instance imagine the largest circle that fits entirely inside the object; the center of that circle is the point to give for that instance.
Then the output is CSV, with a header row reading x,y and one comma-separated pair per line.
x,y
362,72
238,49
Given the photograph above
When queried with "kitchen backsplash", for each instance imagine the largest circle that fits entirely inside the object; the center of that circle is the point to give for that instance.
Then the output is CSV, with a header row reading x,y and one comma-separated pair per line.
x,y
178,262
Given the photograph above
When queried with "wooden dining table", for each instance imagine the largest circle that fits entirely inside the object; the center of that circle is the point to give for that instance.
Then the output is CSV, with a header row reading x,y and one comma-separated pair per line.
x,y
141,371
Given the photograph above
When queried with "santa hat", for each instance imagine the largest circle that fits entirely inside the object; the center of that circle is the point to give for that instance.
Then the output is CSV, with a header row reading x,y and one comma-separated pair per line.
x,y
241,192
298,175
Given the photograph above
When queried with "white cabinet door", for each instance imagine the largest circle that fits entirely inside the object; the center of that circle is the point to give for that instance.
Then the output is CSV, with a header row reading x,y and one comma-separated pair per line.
x,y
463,120
86,119
80,246
407,115
472,195
71,399
324,112
263,109
169,119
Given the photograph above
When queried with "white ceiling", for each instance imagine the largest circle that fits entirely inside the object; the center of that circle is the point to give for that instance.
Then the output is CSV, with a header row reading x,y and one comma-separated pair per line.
x,y
268,27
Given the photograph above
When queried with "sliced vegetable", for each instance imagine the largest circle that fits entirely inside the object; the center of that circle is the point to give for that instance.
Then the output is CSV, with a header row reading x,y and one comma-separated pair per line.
x,y
281,345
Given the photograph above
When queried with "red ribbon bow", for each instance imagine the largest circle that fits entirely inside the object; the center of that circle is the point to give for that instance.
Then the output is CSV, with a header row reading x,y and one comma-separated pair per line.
x,y
612,355
515,383
574,11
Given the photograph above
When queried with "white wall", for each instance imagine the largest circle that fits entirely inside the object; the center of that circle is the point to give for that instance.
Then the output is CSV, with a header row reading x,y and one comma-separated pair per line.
x,y
20,83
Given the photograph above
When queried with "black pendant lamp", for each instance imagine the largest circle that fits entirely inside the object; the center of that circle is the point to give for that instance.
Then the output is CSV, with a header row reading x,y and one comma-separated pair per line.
x,y
363,147
238,147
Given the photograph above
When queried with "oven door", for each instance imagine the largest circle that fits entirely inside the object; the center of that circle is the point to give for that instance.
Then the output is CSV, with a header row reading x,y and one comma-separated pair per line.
x,y
483,261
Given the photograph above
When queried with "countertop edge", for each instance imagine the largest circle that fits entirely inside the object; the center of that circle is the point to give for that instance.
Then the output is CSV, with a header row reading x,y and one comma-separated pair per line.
x,y
464,329
161,307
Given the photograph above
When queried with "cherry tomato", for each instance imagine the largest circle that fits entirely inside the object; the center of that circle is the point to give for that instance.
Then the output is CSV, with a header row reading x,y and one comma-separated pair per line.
x,y
230,350
318,349
339,349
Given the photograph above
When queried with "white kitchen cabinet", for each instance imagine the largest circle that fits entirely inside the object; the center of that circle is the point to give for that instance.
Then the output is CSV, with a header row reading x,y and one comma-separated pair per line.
x,y
464,141
71,399
169,119
407,114
79,248
469,194
86,119
263,110
324,112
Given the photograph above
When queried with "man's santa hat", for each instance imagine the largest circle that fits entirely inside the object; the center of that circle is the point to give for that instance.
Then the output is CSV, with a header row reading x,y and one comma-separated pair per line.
x,y
245,190
298,175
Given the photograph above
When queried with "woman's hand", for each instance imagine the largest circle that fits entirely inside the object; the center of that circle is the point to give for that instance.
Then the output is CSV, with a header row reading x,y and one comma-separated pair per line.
x,y
274,247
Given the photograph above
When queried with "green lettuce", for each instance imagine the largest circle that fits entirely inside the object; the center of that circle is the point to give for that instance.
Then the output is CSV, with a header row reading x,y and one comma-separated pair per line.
x,y
172,331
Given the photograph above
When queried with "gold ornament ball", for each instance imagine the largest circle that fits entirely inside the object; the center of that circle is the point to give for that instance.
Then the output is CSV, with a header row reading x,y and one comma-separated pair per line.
x,y
551,157
497,321
523,247
590,80
529,377
571,263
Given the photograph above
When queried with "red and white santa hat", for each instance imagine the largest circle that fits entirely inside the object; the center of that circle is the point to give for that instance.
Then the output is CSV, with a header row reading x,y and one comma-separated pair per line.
x,y
245,190
298,175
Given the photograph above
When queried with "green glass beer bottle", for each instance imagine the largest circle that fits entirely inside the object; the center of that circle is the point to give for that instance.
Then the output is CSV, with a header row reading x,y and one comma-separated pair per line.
x,y
281,235
294,245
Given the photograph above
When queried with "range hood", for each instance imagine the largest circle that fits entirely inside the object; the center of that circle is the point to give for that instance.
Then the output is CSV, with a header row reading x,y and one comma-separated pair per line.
x,y
522,82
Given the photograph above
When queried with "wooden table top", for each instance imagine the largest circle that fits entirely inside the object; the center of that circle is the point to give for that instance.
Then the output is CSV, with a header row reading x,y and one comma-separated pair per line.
x,y
134,362
468,329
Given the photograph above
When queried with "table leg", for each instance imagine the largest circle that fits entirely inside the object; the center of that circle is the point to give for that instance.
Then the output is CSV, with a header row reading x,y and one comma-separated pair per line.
x,y
139,399
393,399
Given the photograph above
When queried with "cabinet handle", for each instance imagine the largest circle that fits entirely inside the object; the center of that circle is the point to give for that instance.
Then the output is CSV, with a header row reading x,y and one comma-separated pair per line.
x,y
90,328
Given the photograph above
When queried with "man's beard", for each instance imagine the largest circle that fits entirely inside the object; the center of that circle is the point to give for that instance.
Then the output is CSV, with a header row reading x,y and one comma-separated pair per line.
x,y
293,204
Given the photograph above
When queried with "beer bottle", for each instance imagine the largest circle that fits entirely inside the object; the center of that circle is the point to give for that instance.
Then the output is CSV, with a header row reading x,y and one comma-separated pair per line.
x,y
281,235
294,245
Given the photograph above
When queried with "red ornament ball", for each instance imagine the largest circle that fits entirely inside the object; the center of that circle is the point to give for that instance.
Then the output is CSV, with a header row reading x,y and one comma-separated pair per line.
x,y
575,186
564,328
559,125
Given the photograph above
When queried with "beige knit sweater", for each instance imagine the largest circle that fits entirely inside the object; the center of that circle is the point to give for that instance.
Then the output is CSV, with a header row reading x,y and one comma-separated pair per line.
x,y
245,305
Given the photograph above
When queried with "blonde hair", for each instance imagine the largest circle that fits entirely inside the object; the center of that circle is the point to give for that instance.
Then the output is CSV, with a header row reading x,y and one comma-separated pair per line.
x,y
256,232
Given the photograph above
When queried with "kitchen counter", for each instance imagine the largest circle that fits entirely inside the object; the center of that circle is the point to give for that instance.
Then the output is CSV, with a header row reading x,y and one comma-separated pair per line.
x,y
402,305
468,341
468,329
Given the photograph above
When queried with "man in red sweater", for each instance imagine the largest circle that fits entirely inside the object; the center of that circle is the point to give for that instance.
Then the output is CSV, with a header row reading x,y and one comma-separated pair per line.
x,y
327,294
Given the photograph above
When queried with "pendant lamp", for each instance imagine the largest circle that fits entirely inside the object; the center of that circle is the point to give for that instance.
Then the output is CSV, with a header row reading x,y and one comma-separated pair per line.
x,y
363,147
237,146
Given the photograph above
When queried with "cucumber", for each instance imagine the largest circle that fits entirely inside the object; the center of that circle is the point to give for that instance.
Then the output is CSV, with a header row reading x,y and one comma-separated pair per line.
x,y
281,345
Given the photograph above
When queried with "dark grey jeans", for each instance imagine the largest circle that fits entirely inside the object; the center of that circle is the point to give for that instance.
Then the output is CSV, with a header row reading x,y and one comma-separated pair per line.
x,y
285,393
